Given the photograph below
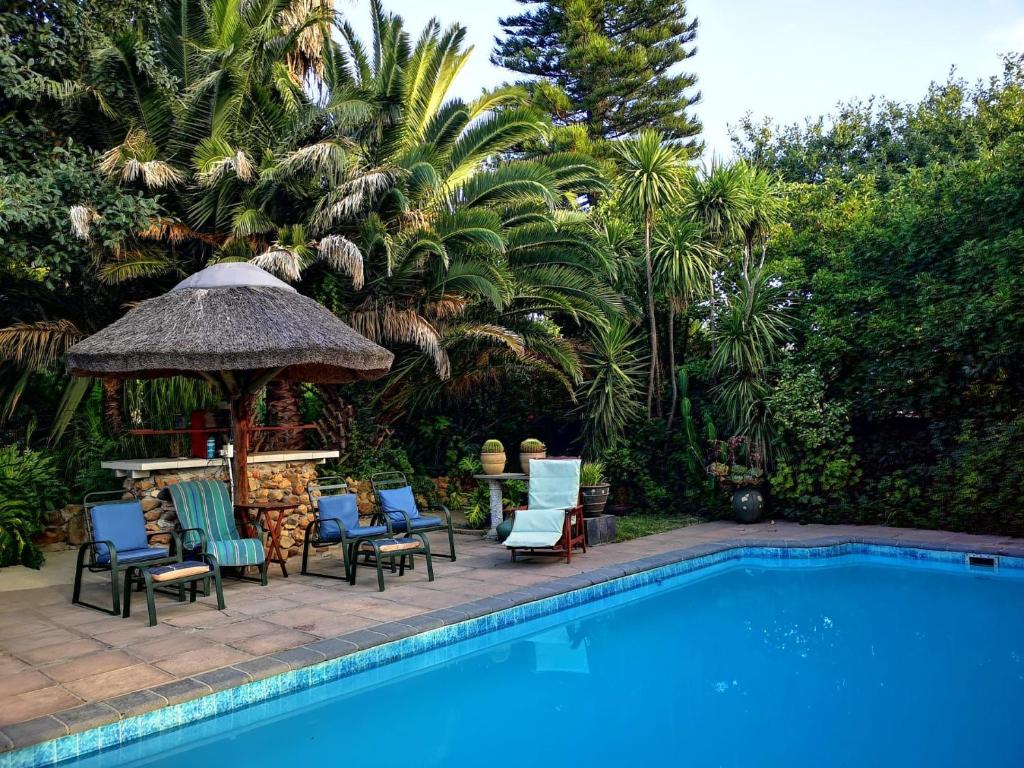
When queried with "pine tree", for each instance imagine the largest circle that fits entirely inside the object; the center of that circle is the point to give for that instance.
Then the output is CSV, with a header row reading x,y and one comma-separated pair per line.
x,y
615,60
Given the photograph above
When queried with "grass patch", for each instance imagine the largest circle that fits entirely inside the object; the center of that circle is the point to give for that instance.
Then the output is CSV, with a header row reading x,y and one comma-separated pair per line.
x,y
635,526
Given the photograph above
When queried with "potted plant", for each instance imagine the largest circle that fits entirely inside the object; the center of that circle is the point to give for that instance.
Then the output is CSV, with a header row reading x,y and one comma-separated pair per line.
x,y
741,481
531,448
593,488
492,456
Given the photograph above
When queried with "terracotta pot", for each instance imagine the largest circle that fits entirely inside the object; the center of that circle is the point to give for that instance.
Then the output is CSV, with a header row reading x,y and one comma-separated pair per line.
x,y
524,459
494,463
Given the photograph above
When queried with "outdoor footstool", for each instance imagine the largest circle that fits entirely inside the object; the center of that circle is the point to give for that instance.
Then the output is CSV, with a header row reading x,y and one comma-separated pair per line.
x,y
400,547
190,572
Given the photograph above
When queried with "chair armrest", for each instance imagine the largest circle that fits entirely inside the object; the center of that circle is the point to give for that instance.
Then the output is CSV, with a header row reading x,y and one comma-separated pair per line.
x,y
95,543
443,509
202,537
379,517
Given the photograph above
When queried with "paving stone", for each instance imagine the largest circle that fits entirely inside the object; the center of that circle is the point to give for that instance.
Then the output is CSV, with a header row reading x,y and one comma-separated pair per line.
x,y
364,638
299,657
226,677
333,647
108,684
212,656
31,704
87,716
35,731
86,666
182,690
263,666
136,702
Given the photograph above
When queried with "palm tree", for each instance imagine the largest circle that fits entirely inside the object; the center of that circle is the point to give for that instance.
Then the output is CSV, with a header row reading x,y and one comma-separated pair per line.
x,y
754,326
611,395
682,266
351,161
651,170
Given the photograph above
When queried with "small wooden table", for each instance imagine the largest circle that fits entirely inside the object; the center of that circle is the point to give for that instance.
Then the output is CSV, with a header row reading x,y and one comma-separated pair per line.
x,y
494,485
262,510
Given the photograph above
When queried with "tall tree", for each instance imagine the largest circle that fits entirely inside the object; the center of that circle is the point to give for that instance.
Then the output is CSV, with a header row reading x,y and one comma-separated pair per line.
x,y
615,60
652,170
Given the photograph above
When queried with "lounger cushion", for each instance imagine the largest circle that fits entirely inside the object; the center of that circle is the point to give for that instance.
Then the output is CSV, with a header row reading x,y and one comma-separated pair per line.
x,y
134,555
554,483
237,551
395,501
536,527
204,504
120,522
336,513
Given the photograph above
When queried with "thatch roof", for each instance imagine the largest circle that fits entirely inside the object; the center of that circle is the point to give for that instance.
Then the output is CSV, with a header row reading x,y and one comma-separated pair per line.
x,y
230,317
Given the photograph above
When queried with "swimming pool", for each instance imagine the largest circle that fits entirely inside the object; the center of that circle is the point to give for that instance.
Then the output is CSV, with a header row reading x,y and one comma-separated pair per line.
x,y
870,656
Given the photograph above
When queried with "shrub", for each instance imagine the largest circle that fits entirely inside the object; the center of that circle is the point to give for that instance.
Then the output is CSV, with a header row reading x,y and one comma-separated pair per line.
x,y
30,486
591,473
817,474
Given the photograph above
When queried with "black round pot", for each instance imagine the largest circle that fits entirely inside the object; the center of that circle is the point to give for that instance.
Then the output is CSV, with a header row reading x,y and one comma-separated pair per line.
x,y
595,499
747,504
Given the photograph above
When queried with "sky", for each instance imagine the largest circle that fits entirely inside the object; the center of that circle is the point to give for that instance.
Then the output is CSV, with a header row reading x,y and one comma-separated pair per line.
x,y
787,59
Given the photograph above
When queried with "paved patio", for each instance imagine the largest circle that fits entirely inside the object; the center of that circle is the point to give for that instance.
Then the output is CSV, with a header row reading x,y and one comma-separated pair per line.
x,y
65,668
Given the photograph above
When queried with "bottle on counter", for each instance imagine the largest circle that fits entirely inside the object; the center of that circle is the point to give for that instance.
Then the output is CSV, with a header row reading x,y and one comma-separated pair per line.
x,y
211,447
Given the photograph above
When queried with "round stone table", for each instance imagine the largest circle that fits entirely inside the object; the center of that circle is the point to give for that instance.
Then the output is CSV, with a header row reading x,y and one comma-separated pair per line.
x,y
494,486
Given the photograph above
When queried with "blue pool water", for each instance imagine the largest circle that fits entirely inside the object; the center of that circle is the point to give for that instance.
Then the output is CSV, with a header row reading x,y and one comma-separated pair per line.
x,y
858,661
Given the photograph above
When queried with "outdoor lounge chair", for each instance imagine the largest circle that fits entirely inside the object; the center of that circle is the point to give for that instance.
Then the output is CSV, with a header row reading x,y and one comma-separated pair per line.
x,y
336,521
117,540
398,509
552,522
208,526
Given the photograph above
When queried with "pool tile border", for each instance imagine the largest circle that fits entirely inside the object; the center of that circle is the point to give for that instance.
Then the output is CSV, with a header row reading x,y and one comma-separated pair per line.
x,y
97,726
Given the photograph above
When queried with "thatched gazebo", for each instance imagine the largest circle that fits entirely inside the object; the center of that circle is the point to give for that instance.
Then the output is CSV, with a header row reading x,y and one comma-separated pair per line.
x,y
239,328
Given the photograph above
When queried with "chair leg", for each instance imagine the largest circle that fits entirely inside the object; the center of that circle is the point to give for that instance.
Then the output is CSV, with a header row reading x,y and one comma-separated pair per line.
x,y
429,558
150,598
263,572
305,553
79,567
219,587
380,572
113,589
127,612
451,542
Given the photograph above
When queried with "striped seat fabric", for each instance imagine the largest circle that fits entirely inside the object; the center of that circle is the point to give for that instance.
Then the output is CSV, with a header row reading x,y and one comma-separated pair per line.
x,y
205,504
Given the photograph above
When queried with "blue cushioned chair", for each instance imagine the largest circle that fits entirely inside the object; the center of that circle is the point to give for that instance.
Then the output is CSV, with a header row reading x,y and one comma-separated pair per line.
x,y
117,540
398,508
336,521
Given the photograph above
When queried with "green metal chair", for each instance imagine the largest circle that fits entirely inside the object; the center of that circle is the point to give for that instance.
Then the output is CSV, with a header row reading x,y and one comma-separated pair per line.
x,y
117,540
336,521
208,526
398,508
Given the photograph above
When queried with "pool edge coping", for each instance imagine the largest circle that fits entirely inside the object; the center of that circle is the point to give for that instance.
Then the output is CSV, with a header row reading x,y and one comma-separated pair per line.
x,y
21,741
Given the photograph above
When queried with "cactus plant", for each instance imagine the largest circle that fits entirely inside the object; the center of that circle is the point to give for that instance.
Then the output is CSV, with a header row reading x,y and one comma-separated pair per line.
x,y
492,446
532,445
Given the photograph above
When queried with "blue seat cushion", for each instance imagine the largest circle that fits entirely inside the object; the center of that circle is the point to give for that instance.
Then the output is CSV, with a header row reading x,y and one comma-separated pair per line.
x,y
367,530
423,521
336,513
237,551
134,555
396,501
120,522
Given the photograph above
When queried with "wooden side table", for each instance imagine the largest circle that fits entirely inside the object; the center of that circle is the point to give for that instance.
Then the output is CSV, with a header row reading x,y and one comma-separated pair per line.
x,y
259,512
